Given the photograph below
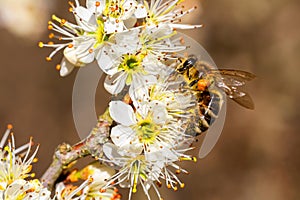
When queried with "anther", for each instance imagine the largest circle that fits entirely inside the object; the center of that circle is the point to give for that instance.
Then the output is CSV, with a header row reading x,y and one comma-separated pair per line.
x,y
58,67
194,159
41,45
102,190
9,126
63,21
51,35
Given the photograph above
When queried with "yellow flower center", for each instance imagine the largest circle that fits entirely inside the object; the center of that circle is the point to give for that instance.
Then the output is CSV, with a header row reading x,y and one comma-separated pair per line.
x,y
14,170
100,33
131,64
147,131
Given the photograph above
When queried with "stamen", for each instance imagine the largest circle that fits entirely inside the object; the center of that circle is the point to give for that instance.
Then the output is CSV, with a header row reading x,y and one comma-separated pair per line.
x,y
50,27
5,136
58,67
51,35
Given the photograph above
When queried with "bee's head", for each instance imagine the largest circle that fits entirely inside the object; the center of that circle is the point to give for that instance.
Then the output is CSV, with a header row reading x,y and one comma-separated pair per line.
x,y
186,64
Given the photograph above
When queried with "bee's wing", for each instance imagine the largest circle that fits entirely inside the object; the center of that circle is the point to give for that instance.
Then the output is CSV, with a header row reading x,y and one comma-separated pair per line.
x,y
232,77
240,97
230,81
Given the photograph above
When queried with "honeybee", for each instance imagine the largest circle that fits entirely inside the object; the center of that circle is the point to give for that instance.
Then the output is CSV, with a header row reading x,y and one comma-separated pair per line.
x,y
209,84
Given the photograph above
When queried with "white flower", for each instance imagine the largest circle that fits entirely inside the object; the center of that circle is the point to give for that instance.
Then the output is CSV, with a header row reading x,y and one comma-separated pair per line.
x,y
26,190
82,40
146,170
137,57
94,28
95,31
130,70
14,165
150,128
134,169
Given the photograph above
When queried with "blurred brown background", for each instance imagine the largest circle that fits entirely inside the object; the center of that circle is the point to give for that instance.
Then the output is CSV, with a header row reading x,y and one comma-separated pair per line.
x,y
257,156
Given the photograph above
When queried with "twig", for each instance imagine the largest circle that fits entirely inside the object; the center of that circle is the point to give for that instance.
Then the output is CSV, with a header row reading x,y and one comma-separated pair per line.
x,y
66,154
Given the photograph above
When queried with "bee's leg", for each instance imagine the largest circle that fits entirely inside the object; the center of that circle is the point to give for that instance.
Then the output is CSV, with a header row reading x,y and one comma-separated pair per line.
x,y
203,124
217,100
207,111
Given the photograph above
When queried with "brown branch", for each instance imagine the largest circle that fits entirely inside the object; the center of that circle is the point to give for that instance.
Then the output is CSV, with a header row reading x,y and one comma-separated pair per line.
x,y
66,154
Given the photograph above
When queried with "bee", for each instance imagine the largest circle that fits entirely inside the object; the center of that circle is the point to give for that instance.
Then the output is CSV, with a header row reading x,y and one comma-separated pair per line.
x,y
209,84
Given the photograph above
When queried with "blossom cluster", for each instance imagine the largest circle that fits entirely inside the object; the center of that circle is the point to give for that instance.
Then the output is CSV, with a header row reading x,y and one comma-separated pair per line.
x,y
15,169
129,39
150,136
17,182
135,44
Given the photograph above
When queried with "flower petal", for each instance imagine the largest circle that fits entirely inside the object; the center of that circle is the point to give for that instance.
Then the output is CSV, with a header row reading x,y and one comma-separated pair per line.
x,y
123,38
116,83
122,135
153,65
122,113
126,139
111,26
107,61
129,8
141,11
83,17
65,67
70,55
91,5
160,113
